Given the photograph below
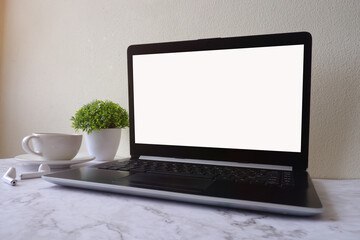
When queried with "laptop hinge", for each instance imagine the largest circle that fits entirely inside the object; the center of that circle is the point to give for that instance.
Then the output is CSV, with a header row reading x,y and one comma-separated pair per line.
x,y
218,163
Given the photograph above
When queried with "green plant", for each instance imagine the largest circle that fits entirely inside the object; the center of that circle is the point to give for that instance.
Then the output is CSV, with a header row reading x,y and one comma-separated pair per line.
x,y
98,115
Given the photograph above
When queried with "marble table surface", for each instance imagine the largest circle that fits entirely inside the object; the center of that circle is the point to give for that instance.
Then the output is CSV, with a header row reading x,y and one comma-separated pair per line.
x,y
36,209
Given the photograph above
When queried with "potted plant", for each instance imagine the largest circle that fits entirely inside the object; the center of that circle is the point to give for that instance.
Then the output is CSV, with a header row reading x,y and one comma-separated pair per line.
x,y
102,121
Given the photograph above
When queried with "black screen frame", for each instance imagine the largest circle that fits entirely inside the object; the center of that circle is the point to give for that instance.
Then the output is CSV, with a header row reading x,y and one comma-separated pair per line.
x,y
299,161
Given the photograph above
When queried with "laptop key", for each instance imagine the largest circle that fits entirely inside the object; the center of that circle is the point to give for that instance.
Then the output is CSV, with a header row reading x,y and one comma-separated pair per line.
x,y
182,174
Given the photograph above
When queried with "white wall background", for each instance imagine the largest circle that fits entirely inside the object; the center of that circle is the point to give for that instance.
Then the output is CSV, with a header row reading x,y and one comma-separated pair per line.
x,y
58,55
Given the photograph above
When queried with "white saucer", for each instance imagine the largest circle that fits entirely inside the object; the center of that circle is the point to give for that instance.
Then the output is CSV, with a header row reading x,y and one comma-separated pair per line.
x,y
33,159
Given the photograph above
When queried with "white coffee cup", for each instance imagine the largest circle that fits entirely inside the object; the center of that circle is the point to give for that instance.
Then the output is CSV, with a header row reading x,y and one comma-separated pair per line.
x,y
53,146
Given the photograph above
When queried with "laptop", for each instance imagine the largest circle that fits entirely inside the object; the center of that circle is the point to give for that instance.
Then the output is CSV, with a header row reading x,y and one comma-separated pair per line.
x,y
222,122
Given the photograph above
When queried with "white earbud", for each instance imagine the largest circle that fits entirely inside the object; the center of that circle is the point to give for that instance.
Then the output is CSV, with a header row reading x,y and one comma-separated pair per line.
x,y
43,169
9,176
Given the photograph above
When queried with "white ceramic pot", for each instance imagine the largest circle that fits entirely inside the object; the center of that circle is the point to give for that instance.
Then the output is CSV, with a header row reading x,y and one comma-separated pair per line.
x,y
103,144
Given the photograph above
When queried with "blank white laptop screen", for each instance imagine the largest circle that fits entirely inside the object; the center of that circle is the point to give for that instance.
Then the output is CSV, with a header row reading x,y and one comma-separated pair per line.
x,y
246,98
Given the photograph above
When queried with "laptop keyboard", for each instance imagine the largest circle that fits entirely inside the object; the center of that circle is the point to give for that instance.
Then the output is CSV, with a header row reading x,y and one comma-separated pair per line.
x,y
256,176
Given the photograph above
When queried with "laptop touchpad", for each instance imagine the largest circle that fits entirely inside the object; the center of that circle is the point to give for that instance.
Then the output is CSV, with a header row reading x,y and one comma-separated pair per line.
x,y
166,182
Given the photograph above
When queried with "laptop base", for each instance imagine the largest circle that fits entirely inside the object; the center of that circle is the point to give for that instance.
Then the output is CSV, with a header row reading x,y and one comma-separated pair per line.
x,y
302,200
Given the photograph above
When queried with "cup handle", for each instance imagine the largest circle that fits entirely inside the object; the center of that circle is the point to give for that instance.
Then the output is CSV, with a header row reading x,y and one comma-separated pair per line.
x,y
25,145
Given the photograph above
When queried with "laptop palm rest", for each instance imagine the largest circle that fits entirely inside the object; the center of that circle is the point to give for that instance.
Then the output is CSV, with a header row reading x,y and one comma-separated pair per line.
x,y
166,182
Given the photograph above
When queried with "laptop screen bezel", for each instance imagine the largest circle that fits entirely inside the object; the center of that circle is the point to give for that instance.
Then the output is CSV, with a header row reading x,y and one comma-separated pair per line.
x,y
297,160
